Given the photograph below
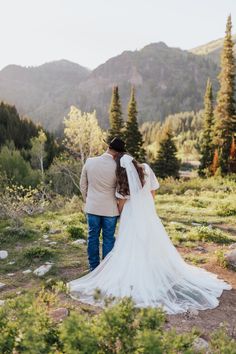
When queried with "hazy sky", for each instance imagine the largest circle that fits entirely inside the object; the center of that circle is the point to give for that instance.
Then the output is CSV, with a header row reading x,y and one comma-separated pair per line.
x,y
91,31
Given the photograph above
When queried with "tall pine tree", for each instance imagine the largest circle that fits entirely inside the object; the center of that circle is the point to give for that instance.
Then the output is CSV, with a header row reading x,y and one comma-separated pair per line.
x,y
167,163
225,117
207,146
116,120
133,137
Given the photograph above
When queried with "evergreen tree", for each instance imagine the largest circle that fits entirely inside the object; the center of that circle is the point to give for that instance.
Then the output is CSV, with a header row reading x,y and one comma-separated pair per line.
x,y
167,163
116,120
132,136
215,163
225,107
232,160
207,147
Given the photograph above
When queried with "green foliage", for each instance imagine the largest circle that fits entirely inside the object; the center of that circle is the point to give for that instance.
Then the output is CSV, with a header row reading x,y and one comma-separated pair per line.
x,y
21,131
226,210
116,120
221,343
207,234
167,163
76,232
186,128
225,113
83,135
17,201
132,136
64,174
26,326
77,335
207,146
221,260
16,169
12,128
37,254
15,234
114,324
194,186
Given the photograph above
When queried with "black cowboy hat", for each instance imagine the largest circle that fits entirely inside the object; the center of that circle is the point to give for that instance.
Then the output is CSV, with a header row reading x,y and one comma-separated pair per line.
x,y
117,144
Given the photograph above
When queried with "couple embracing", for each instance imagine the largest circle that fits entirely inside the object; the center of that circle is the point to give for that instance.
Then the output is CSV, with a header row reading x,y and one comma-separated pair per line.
x,y
141,262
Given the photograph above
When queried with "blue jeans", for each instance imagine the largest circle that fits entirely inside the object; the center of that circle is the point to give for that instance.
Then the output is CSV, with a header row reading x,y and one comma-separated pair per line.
x,y
97,223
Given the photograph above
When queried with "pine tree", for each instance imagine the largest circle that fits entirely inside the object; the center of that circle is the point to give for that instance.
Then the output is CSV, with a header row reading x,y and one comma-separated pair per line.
x,y
116,120
225,107
232,160
207,146
132,136
215,162
167,163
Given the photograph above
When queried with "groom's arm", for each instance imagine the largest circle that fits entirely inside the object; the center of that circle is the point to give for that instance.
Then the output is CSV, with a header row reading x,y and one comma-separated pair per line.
x,y
84,182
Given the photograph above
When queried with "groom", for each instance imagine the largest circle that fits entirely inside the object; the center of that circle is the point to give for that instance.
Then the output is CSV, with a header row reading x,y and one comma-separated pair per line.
x,y
98,185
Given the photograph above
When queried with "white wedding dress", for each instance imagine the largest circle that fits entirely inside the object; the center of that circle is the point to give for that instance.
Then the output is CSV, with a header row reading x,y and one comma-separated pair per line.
x,y
144,264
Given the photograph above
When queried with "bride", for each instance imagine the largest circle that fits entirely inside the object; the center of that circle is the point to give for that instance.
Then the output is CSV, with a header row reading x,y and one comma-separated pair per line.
x,y
144,264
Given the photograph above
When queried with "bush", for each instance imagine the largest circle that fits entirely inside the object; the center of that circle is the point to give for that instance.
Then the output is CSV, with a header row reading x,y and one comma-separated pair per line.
x,y
26,326
207,234
37,254
226,210
221,343
76,232
197,203
17,170
221,260
14,234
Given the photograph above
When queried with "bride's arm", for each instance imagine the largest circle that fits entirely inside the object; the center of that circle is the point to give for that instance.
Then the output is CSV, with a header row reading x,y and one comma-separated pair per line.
x,y
153,193
121,203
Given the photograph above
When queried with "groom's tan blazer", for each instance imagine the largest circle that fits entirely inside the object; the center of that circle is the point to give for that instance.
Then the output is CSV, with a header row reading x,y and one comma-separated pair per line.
x,y
98,185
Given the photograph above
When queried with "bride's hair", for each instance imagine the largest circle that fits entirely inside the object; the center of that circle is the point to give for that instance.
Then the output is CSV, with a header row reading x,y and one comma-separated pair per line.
x,y
121,175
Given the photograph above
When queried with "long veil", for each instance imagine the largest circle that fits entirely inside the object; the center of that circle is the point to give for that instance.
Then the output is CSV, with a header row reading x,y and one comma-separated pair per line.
x,y
144,264
135,185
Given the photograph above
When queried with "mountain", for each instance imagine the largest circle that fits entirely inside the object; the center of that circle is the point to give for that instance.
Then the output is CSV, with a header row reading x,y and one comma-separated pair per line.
x,y
167,80
212,49
42,93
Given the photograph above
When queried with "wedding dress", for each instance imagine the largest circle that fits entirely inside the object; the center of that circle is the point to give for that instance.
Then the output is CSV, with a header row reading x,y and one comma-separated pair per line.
x,y
144,264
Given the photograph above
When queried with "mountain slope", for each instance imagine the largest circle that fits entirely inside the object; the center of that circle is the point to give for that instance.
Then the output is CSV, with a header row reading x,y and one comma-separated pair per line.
x,y
212,49
167,80
43,93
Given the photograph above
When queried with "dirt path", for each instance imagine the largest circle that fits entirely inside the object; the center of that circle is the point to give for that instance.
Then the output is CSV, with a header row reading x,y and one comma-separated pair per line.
x,y
210,320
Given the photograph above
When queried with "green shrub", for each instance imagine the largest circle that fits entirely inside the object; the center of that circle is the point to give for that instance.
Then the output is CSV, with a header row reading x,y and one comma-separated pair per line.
x,y
221,343
82,218
207,234
226,210
26,326
15,234
221,260
77,335
115,328
37,254
195,259
197,203
76,232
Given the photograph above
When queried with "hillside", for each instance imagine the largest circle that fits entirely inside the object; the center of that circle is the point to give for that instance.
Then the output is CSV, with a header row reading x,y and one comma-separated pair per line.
x,y
212,49
168,80
43,93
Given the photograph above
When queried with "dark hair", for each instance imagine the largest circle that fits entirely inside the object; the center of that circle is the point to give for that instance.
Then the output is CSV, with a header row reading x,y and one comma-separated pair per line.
x,y
121,175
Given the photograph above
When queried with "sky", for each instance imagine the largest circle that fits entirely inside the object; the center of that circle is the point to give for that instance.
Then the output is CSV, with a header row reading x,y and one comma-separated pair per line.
x,y
89,32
